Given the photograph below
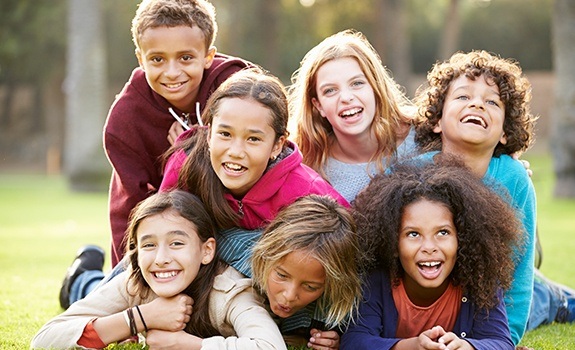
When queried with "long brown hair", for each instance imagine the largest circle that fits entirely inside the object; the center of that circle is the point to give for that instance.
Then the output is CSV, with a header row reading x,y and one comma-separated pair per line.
x,y
190,208
197,174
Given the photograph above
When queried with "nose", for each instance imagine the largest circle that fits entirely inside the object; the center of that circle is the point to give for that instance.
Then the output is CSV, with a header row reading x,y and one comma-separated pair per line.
x,y
290,293
173,69
428,246
347,95
163,256
476,102
236,149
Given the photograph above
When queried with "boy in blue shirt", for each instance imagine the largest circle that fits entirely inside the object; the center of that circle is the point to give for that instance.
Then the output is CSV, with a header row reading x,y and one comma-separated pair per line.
x,y
476,106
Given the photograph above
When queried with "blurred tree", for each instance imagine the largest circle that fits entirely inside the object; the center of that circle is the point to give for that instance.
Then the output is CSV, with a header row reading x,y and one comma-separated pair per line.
x,y
86,105
31,69
275,34
391,38
511,28
450,33
563,133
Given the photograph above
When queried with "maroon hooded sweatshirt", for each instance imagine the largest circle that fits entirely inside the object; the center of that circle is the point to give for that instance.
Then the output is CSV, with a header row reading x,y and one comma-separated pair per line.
x,y
135,137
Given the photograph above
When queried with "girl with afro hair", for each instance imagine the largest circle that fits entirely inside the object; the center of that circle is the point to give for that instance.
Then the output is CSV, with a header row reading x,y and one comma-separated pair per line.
x,y
441,243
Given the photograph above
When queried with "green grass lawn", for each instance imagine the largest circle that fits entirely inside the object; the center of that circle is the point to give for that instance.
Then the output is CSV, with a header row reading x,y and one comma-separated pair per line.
x,y
42,224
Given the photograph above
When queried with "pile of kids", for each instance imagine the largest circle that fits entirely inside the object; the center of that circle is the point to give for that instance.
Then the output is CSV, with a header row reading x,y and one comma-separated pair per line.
x,y
377,223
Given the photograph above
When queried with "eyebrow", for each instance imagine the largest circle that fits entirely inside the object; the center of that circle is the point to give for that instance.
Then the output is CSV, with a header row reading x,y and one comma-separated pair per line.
x,y
170,234
466,87
252,131
361,75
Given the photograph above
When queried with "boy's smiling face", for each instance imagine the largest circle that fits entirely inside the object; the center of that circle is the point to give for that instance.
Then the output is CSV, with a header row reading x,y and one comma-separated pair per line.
x,y
473,116
174,59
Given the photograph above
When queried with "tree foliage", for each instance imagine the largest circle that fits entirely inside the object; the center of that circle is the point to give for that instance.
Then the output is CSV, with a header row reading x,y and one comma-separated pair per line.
x,y
275,34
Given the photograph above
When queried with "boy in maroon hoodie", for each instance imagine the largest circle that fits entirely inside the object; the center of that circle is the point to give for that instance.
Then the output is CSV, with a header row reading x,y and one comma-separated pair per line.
x,y
178,70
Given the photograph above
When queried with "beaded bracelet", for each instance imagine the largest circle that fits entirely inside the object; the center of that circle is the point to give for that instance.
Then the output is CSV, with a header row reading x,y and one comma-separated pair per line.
x,y
142,318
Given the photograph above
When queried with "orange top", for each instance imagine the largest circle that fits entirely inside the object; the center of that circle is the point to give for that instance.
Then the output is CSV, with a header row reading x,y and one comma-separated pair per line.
x,y
413,319
90,338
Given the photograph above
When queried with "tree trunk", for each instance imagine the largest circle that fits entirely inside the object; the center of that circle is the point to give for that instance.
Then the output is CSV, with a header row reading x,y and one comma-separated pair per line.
x,y
450,36
392,39
85,88
269,29
563,117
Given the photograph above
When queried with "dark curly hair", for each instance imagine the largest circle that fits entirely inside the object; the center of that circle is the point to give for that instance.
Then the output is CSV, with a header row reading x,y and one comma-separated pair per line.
x,y
514,90
488,230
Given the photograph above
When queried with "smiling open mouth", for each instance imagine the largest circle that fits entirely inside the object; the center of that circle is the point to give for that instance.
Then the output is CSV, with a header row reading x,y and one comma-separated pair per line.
x,y
166,274
473,119
173,86
351,112
234,167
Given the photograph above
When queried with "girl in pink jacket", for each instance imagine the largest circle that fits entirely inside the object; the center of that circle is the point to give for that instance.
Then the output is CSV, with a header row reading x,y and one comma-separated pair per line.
x,y
240,164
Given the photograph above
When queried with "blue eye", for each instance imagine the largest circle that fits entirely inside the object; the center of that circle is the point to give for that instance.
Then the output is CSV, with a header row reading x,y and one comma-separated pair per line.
x,y
328,91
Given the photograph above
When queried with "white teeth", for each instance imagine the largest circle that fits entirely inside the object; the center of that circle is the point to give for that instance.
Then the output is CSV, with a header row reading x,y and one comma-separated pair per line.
x,y
165,274
430,263
233,166
474,119
351,112
172,86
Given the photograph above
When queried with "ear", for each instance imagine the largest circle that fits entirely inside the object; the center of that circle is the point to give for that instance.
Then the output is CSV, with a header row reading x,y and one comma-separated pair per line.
x,y
503,139
437,128
139,57
278,146
317,106
210,54
208,250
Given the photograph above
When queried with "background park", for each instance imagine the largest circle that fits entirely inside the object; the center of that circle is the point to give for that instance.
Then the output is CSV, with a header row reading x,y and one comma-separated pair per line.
x,y
62,62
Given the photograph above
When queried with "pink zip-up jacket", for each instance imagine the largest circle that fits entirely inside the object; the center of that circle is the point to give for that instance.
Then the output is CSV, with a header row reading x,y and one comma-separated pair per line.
x,y
279,186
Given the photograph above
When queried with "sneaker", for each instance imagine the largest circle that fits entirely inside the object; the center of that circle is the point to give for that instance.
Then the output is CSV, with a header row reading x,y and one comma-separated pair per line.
x,y
88,257
566,312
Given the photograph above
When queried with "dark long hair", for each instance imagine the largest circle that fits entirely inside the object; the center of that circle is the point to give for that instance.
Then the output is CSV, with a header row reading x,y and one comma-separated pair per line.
x,y
197,174
190,208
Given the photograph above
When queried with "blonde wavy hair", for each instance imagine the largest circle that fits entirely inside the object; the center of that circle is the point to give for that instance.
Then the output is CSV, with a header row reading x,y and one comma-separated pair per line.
x,y
313,133
325,230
